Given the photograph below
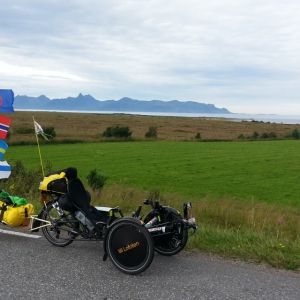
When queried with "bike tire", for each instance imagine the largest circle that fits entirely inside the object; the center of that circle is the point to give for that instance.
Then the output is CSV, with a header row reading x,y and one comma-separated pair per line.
x,y
129,247
59,232
176,242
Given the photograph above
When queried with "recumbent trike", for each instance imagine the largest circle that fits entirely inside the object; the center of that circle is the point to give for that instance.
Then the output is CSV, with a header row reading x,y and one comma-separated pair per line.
x,y
129,242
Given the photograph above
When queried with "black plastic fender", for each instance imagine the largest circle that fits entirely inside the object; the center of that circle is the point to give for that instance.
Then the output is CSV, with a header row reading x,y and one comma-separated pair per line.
x,y
173,210
150,215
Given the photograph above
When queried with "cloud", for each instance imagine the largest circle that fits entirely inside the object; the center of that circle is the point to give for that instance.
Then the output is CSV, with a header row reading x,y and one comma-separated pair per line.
x,y
230,53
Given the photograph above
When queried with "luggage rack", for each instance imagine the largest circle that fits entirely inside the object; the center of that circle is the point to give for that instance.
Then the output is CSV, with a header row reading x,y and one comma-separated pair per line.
x,y
26,225
35,218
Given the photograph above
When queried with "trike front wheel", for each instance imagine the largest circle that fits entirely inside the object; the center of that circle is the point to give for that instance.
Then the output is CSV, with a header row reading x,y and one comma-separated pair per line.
x,y
176,240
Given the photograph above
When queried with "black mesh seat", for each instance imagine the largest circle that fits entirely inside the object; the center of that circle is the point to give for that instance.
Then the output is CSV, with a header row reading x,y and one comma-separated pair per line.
x,y
81,199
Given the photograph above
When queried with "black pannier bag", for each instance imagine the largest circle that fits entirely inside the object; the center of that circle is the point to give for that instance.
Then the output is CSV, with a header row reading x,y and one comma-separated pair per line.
x,y
56,183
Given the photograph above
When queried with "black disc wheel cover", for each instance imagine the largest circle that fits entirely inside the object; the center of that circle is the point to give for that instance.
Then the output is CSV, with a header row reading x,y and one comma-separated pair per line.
x,y
130,247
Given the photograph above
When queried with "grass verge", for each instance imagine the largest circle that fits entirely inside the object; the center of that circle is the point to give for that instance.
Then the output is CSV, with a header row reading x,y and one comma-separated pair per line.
x,y
247,230
265,228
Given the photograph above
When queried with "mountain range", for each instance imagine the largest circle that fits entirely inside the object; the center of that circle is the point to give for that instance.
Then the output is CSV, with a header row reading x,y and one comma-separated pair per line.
x,y
88,103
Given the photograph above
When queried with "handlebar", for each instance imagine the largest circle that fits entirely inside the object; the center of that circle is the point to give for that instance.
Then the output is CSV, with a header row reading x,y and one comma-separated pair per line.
x,y
154,205
136,214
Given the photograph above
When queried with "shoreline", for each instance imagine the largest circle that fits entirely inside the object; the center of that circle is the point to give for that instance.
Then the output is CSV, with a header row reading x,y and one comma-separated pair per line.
x,y
278,119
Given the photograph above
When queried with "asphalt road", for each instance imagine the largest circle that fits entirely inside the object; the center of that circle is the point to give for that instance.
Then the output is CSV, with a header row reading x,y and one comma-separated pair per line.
x,y
31,268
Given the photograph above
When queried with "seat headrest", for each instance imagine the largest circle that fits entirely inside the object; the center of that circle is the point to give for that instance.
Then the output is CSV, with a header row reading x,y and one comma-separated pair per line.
x,y
71,173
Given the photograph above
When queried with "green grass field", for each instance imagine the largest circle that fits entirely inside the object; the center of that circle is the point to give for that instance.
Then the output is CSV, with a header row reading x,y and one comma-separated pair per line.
x,y
245,194
265,171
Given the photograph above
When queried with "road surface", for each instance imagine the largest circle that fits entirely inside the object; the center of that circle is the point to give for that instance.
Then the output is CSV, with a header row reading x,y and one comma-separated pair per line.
x,y
31,268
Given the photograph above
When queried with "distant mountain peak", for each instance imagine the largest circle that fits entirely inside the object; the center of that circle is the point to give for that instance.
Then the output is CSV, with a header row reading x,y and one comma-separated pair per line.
x,y
125,99
125,104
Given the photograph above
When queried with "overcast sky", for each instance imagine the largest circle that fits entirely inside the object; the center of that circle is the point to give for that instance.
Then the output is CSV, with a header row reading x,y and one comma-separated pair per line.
x,y
238,54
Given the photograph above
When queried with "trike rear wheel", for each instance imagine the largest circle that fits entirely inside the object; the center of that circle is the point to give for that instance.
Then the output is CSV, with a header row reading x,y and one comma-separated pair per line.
x,y
61,231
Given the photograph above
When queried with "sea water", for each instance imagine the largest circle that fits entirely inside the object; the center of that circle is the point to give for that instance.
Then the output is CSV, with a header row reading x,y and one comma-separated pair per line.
x,y
272,118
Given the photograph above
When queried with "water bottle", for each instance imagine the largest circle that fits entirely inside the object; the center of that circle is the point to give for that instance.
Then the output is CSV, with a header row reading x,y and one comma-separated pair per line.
x,y
151,222
83,219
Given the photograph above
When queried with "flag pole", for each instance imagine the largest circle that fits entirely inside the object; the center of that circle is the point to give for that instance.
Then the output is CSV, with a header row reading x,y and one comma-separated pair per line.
x,y
37,140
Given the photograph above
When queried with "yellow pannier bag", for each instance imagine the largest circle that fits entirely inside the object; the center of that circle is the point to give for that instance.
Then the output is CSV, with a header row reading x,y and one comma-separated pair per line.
x,y
15,216
55,183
